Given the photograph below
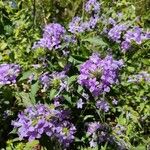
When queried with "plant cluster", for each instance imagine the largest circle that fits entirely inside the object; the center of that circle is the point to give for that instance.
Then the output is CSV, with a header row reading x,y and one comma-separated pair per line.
x,y
85,84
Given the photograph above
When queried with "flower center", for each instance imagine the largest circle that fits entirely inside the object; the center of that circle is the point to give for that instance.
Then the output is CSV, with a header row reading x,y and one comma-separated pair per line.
x,y
96,74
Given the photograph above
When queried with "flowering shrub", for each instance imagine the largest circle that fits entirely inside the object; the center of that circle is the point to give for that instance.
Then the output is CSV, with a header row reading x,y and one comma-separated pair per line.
x,y
83,84
97,75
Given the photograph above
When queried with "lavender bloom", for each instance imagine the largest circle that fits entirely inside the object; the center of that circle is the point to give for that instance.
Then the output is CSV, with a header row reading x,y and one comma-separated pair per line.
x,y
142,76
103,105
112,21
98,74
70,39
41,119
65,133
93,22
136,34
92,6
116,32
45,81
75,26
125,45
93,127
55,80
78,26
52,36
115,102
80,103
93,143
9,73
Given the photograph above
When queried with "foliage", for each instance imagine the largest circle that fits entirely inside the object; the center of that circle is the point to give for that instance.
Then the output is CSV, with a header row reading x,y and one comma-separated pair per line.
x,y
63,77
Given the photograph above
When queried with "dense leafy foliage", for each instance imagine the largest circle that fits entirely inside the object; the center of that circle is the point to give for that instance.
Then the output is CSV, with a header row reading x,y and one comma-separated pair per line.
x,y
74,74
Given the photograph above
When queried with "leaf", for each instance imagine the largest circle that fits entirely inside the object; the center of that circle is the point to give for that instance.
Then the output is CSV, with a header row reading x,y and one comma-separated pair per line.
x,y
32,144
34,89
24,98
87,117
140,147
25,75
131,69
72,79
3,46
96,41
52,94
67,98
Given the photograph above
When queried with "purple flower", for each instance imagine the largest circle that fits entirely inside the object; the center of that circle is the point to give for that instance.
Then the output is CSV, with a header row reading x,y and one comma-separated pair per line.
x,y
78,26
142,76
52,37
45,81
75,26
98,74
115,102
80,103
136,34
92,6
103,105
55,80
93,22
41,119
93,127
65,133
112,21
93,143
9,73
125,45
116,32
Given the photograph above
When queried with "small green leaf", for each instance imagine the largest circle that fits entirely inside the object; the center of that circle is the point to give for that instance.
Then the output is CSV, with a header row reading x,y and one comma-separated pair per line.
x,y
87,117
52,94
34,89
24,98
25,75
96,41
72,79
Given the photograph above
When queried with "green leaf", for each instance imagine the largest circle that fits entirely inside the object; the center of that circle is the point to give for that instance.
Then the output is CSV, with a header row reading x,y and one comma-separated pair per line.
x,y
24,98
131,69
3,45
87,117
52,94
96,41
31,145
34,89
67,98
72,79
25,75
140,147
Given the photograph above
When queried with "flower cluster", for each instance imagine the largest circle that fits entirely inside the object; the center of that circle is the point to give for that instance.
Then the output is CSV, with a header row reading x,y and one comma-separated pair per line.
x,y
92,127
9,73
41,119
98,74
92,6
115,33
99,133
52,37
121,33
102,105
55,80
136,34
142,76
78,26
